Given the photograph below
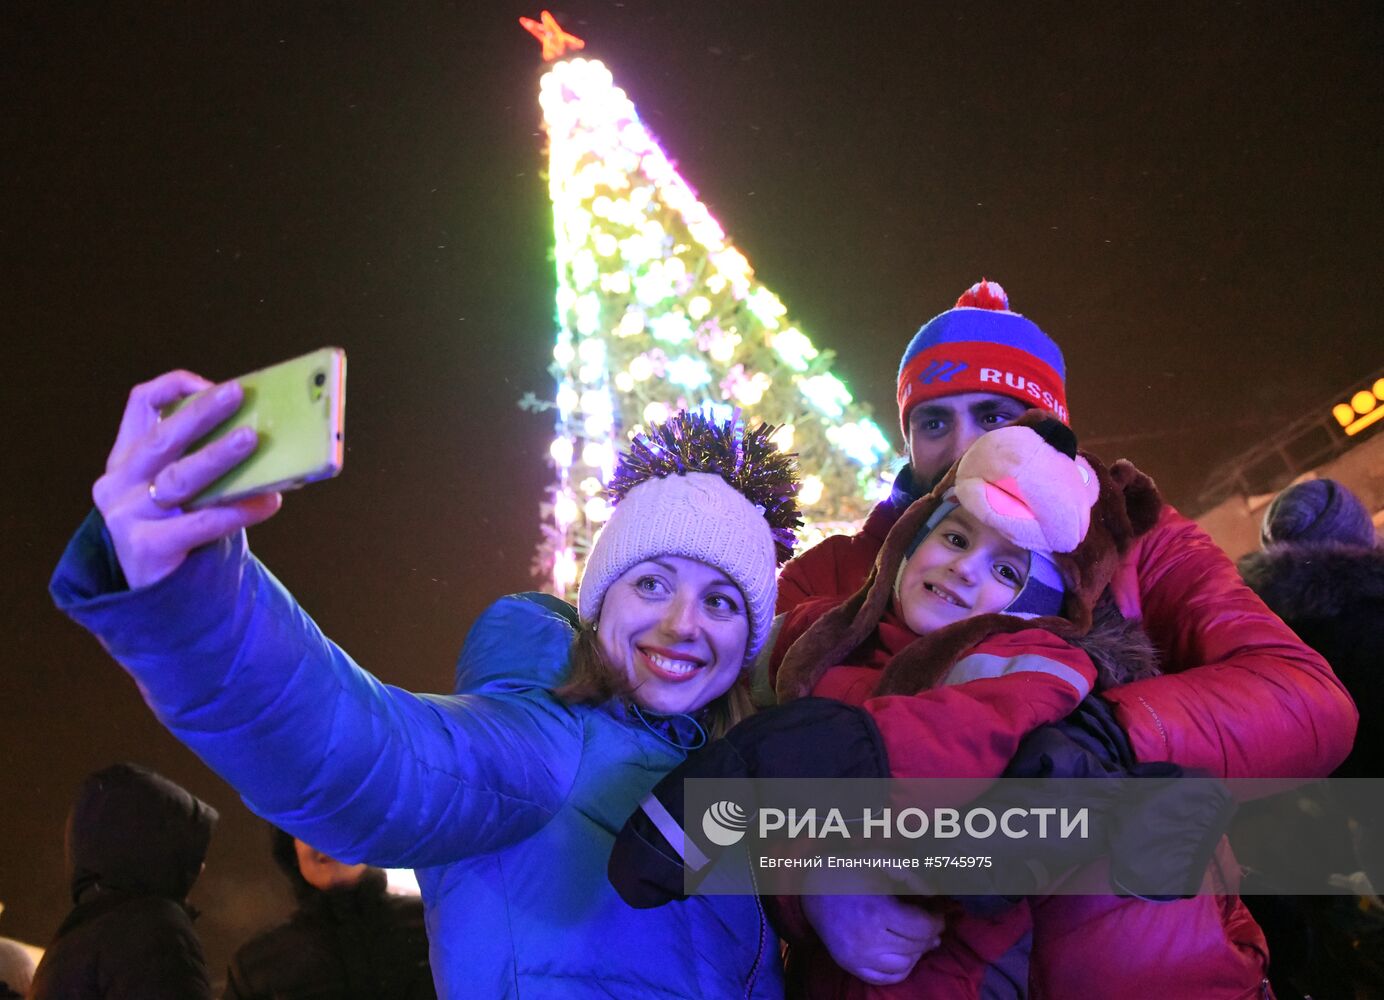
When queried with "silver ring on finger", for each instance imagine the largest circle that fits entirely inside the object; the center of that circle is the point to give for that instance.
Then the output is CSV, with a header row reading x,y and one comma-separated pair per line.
x,y
154,495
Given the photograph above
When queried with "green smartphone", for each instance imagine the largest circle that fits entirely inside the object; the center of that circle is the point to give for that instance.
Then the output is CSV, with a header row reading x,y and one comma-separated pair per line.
x,y
298,409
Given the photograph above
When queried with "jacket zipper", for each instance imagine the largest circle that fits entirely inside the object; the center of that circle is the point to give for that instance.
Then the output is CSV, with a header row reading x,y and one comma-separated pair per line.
x,y
759,952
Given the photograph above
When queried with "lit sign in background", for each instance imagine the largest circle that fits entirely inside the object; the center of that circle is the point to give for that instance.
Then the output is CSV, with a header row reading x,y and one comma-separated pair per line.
x,y
1365,408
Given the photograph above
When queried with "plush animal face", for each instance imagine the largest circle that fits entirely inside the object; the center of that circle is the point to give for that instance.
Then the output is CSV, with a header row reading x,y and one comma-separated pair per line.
x,y
1028,483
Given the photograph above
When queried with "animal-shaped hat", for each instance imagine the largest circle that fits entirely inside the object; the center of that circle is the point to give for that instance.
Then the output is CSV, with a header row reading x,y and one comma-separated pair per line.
x,y
1027,481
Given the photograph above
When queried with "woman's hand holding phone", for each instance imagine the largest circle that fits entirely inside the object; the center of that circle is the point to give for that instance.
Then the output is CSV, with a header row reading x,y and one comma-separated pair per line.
x,y
148,477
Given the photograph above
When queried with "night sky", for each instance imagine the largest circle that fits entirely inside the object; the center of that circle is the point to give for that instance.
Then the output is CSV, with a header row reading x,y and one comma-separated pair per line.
x,y
1188,197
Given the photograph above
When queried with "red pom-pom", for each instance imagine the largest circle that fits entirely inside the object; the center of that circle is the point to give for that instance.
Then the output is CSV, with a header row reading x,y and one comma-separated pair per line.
x,y
984,295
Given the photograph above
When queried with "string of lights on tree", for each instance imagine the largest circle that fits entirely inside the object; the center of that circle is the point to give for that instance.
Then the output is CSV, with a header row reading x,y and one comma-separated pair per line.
x,y
657,311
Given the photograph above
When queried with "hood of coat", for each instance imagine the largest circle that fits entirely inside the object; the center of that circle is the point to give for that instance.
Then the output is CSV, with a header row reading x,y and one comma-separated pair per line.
x,y
133,831
1300,580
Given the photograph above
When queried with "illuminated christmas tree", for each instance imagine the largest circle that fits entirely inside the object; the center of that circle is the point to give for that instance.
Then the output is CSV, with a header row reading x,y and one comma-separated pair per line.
x,y
657,312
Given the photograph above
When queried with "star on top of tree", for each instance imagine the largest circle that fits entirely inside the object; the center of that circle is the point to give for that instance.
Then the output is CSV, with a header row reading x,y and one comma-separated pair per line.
x,y
555,41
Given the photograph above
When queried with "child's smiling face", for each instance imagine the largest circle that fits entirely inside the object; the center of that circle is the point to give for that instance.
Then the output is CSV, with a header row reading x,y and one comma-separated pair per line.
x,y
962,569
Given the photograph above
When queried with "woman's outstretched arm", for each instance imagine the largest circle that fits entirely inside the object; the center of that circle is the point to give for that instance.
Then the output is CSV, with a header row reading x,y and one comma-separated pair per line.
x,y
230,663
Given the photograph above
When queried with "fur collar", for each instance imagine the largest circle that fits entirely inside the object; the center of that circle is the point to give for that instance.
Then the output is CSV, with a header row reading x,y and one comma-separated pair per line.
x,y
1305,580
1119,648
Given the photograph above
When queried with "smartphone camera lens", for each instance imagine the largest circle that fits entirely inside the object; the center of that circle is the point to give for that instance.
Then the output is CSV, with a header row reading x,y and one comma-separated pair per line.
x,y
320,379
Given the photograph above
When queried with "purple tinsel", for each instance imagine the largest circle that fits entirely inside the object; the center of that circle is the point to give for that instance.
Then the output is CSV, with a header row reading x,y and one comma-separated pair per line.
x,y
745,458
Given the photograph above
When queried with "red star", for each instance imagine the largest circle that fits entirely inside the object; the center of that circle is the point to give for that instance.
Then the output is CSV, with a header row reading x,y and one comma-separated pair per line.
x,y
555,41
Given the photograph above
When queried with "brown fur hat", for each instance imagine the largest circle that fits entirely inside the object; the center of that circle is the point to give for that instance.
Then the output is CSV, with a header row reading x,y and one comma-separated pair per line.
x,y
1127,506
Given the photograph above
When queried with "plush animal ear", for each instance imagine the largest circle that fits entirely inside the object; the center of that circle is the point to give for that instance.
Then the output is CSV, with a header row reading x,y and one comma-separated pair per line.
x,y
1091,566
825,642
834,636
1143,503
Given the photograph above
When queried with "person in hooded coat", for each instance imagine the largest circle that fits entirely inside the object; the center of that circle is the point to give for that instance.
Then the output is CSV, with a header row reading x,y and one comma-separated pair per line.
x,y
349,937
136,843
1321,570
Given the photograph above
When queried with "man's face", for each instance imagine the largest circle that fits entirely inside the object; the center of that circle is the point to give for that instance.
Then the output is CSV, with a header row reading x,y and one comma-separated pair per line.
x,y
940,430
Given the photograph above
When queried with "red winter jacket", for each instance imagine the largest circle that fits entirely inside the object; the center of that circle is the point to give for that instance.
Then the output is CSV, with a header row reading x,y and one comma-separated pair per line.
x,y
996,694
969,726
1243,697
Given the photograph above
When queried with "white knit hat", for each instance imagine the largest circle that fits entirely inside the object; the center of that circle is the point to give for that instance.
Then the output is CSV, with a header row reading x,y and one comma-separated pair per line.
x,y
697,515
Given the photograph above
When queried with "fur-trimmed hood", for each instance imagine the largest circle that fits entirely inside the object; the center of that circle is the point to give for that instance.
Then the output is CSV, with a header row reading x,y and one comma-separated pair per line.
x,y
1311,580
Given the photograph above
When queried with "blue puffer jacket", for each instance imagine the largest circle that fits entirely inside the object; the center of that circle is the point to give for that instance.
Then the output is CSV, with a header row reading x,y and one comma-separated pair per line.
x,y
505,800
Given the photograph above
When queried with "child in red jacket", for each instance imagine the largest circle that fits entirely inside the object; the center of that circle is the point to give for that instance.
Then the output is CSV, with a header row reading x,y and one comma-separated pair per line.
x,y
985,545
1020,499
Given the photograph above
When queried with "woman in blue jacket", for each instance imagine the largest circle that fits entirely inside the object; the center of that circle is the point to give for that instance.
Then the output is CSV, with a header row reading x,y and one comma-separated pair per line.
x,y
506,795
